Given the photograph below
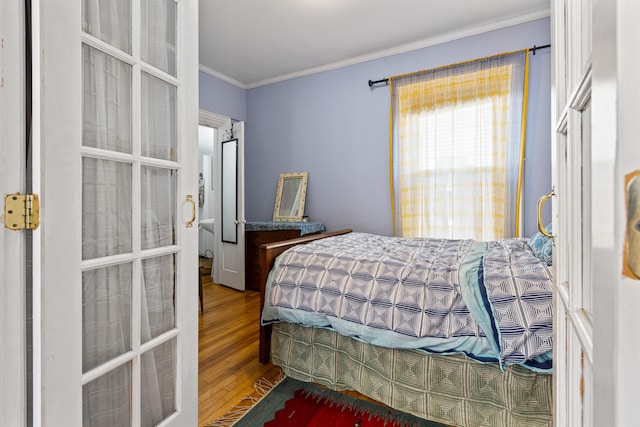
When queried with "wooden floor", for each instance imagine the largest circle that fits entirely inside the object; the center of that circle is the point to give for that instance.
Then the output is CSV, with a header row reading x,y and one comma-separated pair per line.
x,y
228,349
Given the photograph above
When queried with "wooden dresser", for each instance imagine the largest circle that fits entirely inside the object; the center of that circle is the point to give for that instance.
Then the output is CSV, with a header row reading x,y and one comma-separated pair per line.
x,y
257,233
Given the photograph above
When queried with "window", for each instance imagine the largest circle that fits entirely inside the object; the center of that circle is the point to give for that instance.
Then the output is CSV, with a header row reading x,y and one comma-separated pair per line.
x,y
456,149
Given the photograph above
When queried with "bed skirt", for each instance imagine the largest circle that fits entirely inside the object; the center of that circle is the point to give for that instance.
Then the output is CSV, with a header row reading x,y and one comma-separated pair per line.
x,y
451,389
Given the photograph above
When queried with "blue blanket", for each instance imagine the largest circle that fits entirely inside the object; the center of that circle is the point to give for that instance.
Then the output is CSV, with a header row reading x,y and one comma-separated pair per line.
x,y
427,294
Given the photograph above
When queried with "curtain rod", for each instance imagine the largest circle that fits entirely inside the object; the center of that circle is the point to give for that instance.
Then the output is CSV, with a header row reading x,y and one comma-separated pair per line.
x,y
532,49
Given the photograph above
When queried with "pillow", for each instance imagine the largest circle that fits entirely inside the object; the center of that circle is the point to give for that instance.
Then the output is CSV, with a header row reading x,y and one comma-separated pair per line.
x,y
541,245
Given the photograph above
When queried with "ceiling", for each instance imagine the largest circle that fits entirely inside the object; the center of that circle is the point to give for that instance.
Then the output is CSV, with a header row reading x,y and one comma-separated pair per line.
x,y
250,43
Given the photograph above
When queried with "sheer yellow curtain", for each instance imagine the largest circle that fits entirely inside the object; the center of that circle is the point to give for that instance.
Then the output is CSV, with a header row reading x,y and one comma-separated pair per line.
x,y
457,138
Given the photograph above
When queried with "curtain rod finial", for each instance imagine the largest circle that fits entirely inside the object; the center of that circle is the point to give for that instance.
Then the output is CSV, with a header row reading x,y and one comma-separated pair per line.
x,y
372,82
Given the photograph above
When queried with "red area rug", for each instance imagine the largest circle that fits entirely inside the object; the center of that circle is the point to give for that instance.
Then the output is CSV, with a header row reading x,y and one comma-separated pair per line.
x,y
308,409
292,403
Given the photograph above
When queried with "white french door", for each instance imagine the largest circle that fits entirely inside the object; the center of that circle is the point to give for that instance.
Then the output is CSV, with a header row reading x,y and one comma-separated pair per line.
x,y
115,258
595,103
230,235
574,315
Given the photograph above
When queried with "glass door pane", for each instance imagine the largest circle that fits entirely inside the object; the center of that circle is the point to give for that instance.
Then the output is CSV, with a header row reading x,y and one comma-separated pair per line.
x,y
158,35
158,373
159,131
106,208
106,102
158,296
158,189
106,314
106,401
108,20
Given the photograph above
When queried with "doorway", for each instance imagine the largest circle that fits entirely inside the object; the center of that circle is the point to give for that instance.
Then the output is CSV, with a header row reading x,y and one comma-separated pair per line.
x,y
227,258
207,174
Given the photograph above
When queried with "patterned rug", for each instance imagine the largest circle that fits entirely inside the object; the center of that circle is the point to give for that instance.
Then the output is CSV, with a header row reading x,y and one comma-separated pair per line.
x,y
291,403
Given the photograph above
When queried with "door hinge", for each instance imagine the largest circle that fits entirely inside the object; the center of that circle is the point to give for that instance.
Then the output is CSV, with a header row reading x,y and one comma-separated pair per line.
x,y
21,211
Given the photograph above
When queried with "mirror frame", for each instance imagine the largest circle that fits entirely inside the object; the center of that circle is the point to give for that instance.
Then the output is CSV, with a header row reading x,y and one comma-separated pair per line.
x,y
304,177
229,191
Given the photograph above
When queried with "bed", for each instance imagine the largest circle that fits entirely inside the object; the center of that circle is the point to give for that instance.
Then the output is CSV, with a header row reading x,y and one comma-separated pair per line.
x,y
454,331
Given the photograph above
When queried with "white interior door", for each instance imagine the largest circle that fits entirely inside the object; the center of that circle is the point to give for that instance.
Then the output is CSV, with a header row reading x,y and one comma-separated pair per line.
x,y
230,255
115,269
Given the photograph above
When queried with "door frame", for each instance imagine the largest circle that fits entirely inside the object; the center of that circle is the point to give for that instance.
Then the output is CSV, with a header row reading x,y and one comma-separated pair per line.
x,y
216,121
617,342
13,266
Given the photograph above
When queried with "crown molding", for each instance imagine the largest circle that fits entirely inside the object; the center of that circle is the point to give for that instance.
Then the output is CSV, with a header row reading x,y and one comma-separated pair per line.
x,y
443,38
447,37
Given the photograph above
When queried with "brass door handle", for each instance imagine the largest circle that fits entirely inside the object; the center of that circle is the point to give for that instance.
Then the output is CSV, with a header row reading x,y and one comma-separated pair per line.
x,y
193,211
541,203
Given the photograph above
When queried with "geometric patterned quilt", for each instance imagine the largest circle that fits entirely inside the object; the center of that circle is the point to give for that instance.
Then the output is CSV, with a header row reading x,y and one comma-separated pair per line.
x,y
519,288
489,301
451,389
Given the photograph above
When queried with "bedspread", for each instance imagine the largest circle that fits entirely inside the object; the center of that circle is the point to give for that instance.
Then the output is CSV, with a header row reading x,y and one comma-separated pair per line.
x,y
519,290
425,293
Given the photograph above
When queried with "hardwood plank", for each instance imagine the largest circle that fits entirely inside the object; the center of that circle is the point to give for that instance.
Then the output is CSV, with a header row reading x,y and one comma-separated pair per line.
x,y
228,350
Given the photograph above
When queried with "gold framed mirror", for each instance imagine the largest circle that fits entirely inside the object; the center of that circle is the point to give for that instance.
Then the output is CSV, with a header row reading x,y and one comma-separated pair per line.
x,y
290,197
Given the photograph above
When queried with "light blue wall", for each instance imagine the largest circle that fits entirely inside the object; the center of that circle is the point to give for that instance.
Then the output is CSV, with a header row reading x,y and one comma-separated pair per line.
x,y
537,170
217,96
334,126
